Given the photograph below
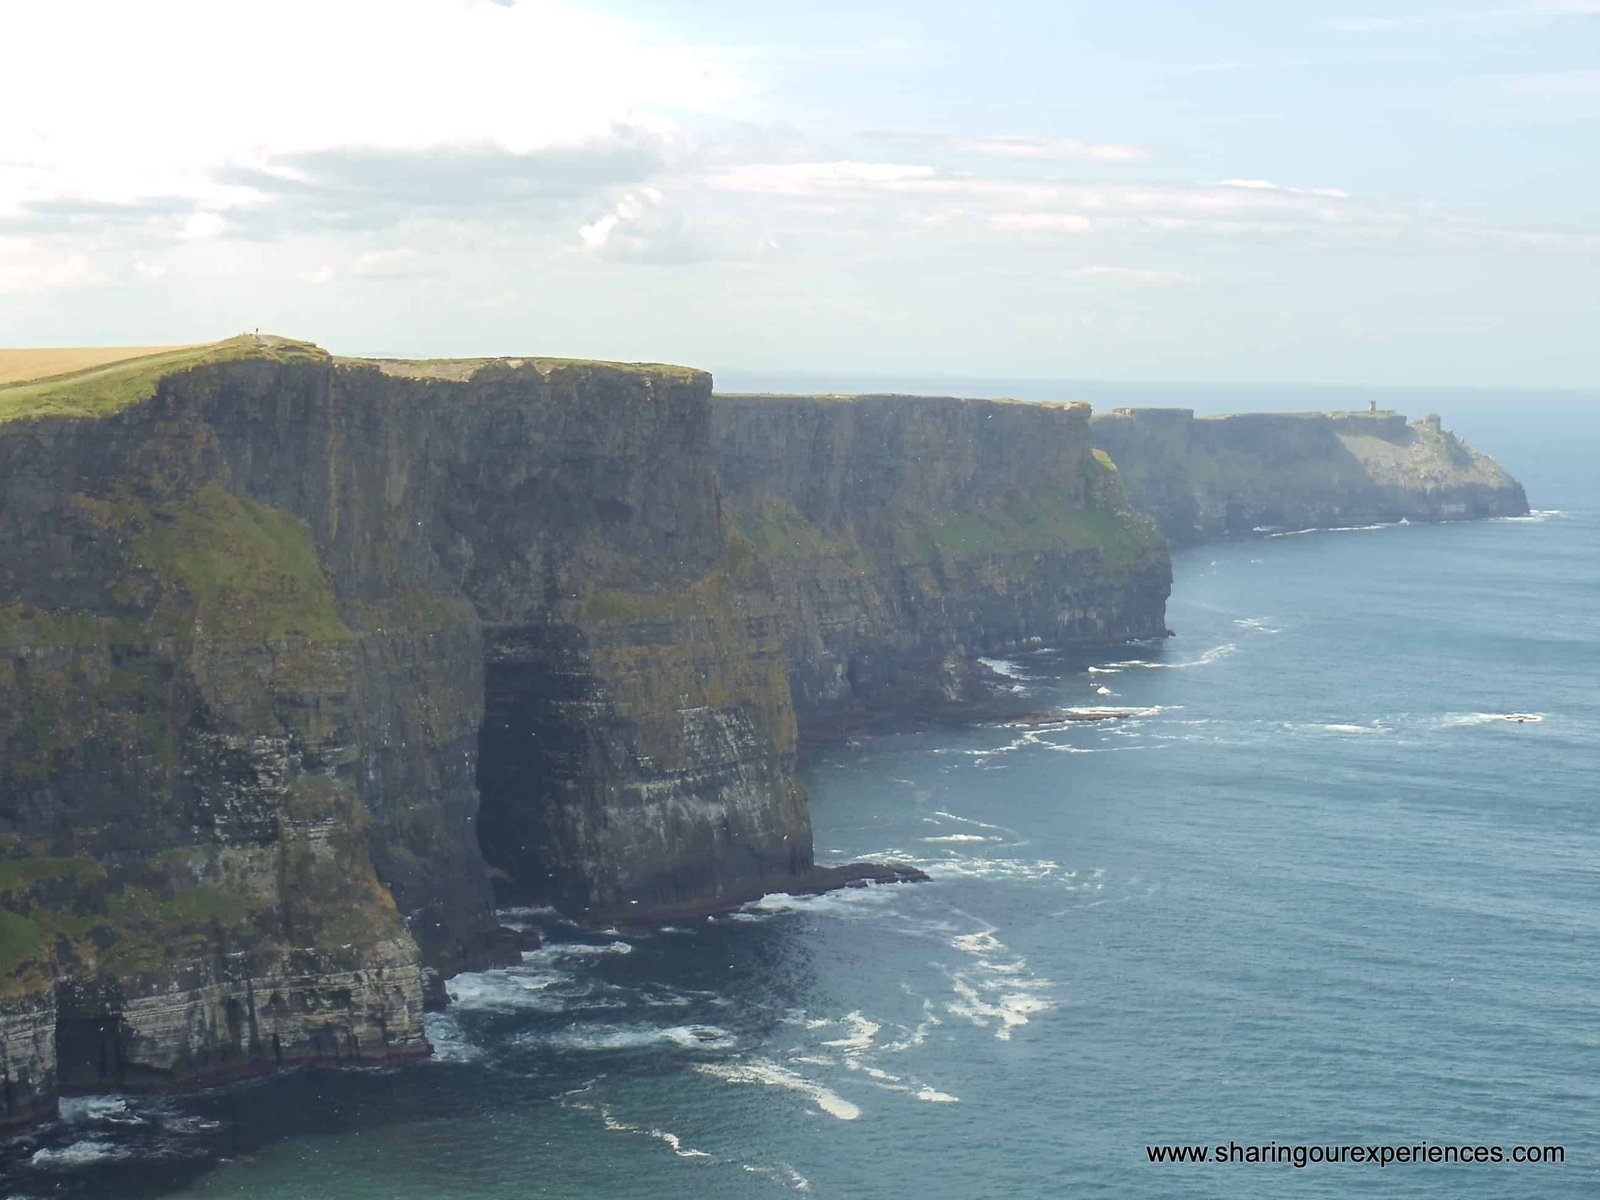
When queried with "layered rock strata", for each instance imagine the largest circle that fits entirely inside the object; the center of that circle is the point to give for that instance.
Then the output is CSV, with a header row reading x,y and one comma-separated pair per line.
x,y
898,537
249,619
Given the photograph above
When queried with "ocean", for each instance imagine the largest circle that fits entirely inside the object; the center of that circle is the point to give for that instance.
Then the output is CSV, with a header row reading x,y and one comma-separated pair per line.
x,y
1337,882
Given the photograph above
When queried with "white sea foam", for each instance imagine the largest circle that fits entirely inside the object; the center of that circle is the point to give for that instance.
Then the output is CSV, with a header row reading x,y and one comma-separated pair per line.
x,y
1003,666
1335,529
1212,655
638,1037
855,903
964,837
616,1125
450,1042
77,1154
918,1035
1011,1010
1257,624
771,1074
555,951
894,1083
676,1143
950,816
861,1035
783,1172
1336,727
1467,720
82,1110
509,990
1536,515
998,991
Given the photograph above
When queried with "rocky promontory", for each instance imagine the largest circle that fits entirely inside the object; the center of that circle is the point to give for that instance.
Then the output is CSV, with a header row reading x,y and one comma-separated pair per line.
x,y
1202,477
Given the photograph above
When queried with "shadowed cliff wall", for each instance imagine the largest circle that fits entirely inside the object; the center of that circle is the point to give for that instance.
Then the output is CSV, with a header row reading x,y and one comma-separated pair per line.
x,y
247,628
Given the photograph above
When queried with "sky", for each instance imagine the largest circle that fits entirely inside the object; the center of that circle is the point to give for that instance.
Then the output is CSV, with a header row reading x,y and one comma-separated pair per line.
x,y
1228,191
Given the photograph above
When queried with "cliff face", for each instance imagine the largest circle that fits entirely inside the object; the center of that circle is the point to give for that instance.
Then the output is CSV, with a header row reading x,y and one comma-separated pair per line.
x,y
296,652
248,623
185,803
896,537
1211,476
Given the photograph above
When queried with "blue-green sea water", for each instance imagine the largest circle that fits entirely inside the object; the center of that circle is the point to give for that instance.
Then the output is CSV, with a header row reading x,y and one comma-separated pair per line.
x,y
1321,890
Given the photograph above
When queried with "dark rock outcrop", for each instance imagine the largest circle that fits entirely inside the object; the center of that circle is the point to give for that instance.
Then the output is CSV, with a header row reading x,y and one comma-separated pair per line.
x,y
1202,477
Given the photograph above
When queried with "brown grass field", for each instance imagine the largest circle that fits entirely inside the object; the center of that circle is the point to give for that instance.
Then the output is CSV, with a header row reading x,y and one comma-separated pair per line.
x,y
22,366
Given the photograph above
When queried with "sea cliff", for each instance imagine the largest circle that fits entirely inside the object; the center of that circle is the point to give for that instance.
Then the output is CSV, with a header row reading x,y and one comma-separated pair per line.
x,y
257,614
1202,477
302,657
305,660
899,537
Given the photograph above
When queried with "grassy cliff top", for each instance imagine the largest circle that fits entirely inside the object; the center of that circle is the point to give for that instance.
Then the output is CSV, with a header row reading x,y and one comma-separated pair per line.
x,y
879,397
103,384
461,370
97,382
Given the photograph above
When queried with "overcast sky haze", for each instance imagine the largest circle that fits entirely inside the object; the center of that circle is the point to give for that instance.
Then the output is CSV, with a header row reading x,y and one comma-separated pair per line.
x,y
1389,193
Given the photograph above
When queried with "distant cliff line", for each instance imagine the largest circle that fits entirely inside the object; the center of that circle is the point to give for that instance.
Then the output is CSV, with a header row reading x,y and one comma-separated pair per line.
x,y
296,652
1204,477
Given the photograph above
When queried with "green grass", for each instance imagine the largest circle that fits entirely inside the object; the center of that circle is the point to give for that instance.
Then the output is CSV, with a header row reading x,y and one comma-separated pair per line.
x,y
775,530
21,942
153,932
481,369
251,570
19,874
104,391
1026,524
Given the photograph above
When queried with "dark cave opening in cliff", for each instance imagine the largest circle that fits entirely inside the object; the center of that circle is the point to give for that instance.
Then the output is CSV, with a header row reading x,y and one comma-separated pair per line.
x,y
520,748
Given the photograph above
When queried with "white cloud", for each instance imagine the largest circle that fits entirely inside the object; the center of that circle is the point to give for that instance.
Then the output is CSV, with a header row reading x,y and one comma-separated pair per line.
x,y
810,178
29,266
1265,185
632,208
1556,86
1532,12
396,262
185,91
201,225
1140,275
1043,222
316,276
1059,149
643,227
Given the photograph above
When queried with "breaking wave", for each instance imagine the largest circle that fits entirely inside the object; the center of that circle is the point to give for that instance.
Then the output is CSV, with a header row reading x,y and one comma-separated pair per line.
x,y
771,1074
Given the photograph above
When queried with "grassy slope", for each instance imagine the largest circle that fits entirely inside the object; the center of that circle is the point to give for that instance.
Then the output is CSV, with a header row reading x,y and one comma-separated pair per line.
x,y
104,390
